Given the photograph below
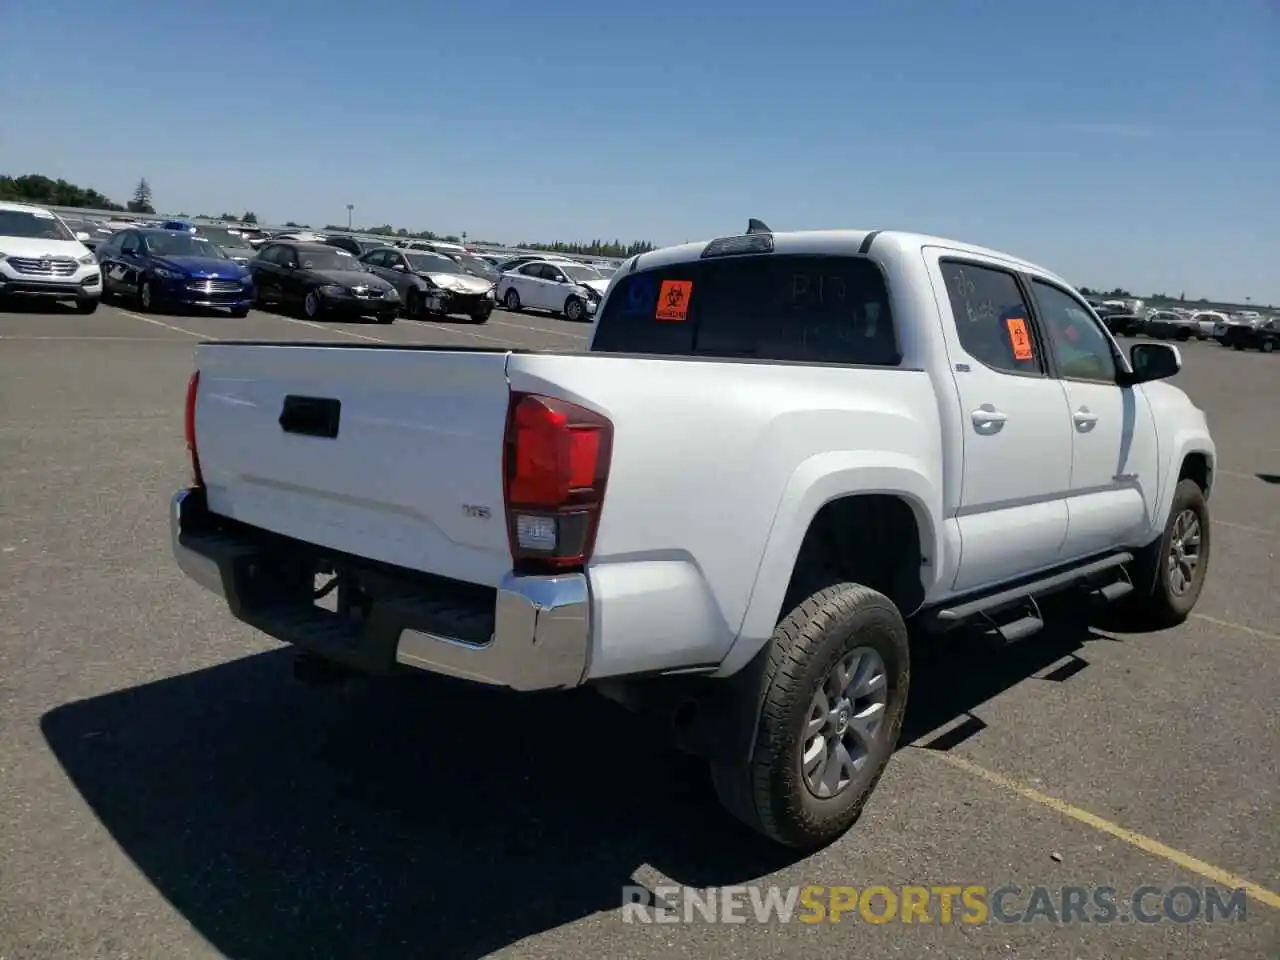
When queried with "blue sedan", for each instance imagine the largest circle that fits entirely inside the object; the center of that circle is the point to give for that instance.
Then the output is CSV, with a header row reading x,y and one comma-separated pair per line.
x,y
170,268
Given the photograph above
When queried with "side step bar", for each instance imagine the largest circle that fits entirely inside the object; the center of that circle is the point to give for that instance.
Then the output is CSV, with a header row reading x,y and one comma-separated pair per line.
x,y
953,616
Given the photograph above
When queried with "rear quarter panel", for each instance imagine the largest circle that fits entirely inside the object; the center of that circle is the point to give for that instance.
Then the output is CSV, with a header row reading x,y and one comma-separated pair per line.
x,y
717,468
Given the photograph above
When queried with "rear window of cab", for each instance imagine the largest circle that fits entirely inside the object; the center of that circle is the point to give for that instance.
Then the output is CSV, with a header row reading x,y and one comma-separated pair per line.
x,y
783,307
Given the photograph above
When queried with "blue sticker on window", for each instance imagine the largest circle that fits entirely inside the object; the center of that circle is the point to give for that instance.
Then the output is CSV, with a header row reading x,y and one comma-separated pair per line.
x,y
642,295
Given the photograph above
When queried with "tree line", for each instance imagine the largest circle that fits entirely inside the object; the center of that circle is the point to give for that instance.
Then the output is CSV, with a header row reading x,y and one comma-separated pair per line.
x,y
37,188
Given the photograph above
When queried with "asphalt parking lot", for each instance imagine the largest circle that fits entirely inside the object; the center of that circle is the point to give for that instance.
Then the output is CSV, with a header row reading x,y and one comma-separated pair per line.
x,y
169,791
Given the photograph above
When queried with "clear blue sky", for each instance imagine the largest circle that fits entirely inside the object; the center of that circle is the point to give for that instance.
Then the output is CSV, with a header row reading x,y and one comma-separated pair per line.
x,y
1133,142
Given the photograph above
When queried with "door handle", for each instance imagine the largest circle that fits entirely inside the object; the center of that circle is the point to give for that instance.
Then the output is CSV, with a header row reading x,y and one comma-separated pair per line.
x,y
1084,418
987,415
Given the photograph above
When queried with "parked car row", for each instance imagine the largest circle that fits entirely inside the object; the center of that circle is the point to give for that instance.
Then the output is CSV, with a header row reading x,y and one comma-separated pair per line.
x,y
174,267
1242,330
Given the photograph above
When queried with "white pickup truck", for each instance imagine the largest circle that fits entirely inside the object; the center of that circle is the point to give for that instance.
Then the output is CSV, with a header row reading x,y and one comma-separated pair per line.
x,y
779,451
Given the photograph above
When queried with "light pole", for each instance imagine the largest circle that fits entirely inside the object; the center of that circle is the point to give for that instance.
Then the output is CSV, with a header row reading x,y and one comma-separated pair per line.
x,y
350,207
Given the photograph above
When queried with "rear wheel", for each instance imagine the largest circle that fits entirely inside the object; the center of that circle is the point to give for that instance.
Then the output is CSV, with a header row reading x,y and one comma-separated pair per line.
x,y
1267,346
835,694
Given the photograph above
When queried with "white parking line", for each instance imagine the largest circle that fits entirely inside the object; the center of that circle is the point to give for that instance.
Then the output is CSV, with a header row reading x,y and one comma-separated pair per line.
x,y
469,333
168,326
321,326
557,333
365,336
77,339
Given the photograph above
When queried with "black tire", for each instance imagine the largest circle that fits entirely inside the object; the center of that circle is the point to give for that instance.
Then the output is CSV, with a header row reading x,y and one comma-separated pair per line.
x,y
1267,346
414,305
312,306
574,309
769,793
1156,603
511,300
240,312
86,306
146,296
1183,336
386,318
481,316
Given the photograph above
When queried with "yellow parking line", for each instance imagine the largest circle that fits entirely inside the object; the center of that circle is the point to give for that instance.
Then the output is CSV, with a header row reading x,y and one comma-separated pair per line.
x,y
1236,626
1247,528
168,326
1142,842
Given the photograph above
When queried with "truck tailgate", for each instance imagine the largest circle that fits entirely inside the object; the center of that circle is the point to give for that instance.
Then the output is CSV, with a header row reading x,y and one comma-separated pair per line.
x,y
413,476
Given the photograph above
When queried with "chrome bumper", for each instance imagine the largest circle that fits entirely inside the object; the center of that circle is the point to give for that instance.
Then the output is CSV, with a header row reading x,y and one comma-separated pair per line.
x,y
540,626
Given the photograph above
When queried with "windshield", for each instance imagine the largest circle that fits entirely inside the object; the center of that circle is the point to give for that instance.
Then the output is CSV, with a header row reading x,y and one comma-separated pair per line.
x,y
32,225
222,237
182,245
477,266
580,273
330,258
432,263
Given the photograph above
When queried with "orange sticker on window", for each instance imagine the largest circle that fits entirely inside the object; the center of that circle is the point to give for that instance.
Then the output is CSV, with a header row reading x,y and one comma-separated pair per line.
x,y
1020,338
673,300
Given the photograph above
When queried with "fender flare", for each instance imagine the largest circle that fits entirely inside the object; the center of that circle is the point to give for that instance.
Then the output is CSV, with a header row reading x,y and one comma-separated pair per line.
x,y
812,485
1185,443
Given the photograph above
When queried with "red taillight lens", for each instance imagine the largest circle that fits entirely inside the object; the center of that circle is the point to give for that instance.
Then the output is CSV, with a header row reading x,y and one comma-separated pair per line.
x,y
557,462
189,426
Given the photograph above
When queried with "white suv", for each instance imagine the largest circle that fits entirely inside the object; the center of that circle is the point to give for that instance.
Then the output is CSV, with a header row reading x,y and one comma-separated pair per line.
x,y
41,257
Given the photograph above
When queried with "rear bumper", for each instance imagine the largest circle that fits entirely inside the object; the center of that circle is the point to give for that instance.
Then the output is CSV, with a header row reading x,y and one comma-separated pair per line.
x,y
531,633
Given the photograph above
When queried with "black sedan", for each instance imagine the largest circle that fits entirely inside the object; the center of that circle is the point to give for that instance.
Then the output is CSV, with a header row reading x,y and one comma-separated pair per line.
x,y
322,280
1261,335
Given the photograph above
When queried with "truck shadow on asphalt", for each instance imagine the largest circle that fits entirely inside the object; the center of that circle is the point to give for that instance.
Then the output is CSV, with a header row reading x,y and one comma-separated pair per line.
x,y
422,817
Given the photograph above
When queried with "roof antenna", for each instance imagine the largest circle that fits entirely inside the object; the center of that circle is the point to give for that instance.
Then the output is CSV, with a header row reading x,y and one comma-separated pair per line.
x,y
757,226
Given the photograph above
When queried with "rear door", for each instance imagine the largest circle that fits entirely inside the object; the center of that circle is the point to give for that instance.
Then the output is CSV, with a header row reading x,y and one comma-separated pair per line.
x,y
1017,436
390,454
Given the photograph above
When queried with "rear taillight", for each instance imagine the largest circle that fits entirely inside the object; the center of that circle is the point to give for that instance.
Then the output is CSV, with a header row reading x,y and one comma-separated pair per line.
x,y
556,462
189,426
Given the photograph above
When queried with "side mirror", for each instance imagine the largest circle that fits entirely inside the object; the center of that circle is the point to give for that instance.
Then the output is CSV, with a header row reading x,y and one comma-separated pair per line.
x,y
398,266
82,236
1152,361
